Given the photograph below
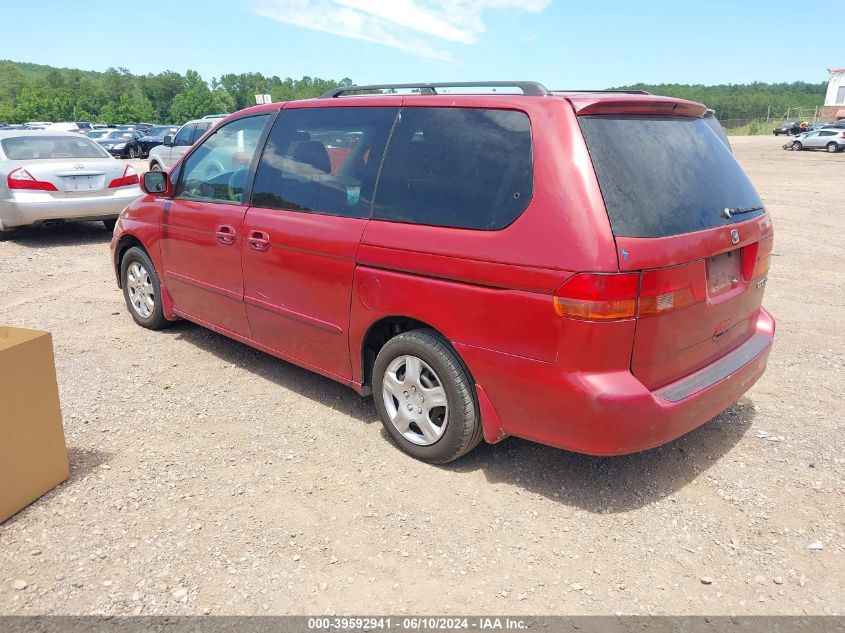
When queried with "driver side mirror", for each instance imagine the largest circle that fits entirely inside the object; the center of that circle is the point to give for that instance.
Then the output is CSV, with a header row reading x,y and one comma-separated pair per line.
x,y
157,183
168,141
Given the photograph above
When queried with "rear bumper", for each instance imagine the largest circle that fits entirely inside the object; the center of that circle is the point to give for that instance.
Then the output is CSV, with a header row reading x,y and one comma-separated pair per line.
x,y
32,208
611,413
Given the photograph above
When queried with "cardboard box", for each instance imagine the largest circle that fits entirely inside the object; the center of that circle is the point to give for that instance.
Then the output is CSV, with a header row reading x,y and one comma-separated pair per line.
x,y
33,456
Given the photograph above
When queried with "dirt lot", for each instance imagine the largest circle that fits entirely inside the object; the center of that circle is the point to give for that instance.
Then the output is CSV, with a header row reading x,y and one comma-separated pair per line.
x,y
211,478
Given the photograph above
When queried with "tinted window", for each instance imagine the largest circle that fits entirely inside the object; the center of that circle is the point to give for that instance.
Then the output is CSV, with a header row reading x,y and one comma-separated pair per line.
x,y
183,137
827,133
218,168
459,167
323,160
40,147
665,175
201,129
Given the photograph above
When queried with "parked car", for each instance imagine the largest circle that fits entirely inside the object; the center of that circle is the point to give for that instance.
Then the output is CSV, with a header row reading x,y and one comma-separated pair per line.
x,y
98,133
122,143
835,125
50,178
436,263
163,157
63,126
831,140
790,127
155,137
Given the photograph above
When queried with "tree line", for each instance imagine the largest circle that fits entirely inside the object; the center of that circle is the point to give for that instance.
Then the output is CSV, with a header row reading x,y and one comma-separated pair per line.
x,y
32,92
744,101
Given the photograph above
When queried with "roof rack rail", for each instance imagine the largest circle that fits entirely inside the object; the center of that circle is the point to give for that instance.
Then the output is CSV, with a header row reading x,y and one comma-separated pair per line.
x,y
629,92
529,88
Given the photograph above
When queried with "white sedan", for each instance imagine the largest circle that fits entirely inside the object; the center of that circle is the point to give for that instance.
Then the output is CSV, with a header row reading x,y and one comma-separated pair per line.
x,y
48,178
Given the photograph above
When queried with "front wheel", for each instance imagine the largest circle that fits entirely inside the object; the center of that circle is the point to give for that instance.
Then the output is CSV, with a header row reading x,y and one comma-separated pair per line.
x,y
832,148
155,167
796,146
132,153
425,397
141,289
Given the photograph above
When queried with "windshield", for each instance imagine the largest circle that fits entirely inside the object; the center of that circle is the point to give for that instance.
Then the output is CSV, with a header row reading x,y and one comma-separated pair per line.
x,y
666,175
120,134
46,147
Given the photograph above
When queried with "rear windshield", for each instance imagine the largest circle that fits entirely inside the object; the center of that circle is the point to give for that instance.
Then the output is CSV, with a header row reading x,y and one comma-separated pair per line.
x,y
45,147
665,176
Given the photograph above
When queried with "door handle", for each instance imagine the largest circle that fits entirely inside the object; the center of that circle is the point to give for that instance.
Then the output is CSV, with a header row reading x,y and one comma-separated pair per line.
x,y
258,240
226,234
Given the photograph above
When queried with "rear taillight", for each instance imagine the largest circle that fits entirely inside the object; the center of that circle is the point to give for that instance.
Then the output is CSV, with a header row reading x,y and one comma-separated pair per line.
x,y
20,178
130,177
673,288
756,259
598,297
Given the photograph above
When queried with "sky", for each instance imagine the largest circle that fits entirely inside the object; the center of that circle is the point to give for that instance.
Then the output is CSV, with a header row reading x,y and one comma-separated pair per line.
x,y
563,44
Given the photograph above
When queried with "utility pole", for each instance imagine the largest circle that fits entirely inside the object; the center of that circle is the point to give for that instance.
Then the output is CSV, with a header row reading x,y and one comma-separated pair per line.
x,y
768,112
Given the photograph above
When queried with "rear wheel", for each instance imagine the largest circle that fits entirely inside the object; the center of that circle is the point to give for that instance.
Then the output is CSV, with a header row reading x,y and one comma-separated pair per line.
x,y
7,234
796,145
425,397
832,148
141,289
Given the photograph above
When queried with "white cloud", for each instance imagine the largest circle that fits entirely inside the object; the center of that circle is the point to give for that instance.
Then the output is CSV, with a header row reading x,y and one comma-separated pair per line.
x,y
409,25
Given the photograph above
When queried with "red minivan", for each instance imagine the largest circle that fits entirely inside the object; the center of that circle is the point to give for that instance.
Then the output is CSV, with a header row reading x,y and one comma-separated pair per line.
x,y
581,269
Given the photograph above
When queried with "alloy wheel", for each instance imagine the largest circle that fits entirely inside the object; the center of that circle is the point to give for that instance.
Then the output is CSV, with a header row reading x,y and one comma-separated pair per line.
x,y
141,291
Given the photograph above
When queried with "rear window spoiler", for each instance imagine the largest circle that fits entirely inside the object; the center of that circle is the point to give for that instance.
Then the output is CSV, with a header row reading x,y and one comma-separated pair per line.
x,y
587,104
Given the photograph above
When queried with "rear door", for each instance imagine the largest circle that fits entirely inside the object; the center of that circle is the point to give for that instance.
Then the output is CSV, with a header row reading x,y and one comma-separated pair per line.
x,y
681,210
311,201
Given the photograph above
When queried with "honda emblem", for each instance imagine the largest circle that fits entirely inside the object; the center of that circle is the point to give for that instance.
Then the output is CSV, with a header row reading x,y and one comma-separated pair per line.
x,y
734,236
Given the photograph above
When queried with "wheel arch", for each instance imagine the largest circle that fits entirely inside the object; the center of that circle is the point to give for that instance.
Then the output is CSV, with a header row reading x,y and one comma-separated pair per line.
x,y
126,241
381,331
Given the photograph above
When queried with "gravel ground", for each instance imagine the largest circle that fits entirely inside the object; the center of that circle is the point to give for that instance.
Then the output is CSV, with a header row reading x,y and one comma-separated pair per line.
x,y
207,477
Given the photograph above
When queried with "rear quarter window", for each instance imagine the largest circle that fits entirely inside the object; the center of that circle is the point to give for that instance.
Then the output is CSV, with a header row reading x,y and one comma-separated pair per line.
x,y
457,167
662,176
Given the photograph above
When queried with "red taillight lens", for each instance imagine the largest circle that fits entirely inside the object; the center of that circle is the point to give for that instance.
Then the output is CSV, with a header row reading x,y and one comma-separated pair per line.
x,y
21,179
598,297
673,288
130,177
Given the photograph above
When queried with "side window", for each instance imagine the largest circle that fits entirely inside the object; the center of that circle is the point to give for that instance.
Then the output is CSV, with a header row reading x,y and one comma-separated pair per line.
x,y
459,167
218,168
201,129
827,133
183,136
323,160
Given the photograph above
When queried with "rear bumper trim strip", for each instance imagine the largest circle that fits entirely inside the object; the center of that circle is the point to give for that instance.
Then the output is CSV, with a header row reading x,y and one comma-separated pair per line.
x,y
717,371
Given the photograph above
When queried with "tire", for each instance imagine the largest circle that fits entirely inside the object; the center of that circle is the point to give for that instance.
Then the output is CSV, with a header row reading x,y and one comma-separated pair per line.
x,y
154,166
435,434
832,148
109,224
7,235
146,286
132,153
796,145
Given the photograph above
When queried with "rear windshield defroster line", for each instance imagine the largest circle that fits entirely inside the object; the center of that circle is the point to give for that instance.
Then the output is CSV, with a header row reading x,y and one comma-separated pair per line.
x,y
665,175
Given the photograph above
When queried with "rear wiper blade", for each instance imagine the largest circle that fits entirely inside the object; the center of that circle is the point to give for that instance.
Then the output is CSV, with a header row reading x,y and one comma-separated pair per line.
x,y
729,213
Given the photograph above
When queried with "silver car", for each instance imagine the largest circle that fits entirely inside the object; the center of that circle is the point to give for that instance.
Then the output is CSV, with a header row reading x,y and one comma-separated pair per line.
x,y
831,140
164,156
55,177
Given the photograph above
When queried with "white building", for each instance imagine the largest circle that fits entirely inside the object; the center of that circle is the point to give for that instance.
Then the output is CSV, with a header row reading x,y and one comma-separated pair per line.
x,y
834,100
836,88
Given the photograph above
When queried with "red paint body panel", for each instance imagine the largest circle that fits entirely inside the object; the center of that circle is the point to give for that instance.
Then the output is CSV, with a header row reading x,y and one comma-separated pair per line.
x,y
297,292
322,282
